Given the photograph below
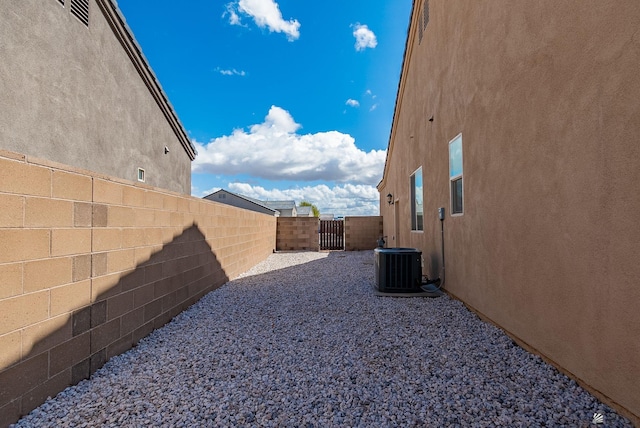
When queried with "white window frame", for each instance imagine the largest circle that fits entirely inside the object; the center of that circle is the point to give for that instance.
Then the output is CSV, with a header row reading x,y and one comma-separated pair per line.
x,y
416,226
454,176
141,175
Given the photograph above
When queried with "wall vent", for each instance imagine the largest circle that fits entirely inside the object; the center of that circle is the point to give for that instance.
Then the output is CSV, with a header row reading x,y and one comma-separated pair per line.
x,y
80,8
398,270
423,21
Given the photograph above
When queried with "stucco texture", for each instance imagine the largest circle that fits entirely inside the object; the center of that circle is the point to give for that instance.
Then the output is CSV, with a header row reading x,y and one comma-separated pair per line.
x,y
545,95
72,94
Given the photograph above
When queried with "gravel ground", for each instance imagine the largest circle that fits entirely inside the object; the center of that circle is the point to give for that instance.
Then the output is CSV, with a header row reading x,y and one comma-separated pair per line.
x,y
301,341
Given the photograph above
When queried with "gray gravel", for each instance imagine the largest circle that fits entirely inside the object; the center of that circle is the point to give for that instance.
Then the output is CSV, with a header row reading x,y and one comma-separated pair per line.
x,y
301,341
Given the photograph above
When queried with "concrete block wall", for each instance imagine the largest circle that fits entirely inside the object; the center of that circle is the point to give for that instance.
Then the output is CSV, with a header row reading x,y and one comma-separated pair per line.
x,y
89,265
362,233
297,233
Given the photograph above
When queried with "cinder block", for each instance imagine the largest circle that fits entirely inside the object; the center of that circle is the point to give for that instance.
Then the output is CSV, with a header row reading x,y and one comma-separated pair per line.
x,y
81,268
12,211
22,178
105,286
98,313
98,264
104,335
118,261
98,359
119,305
71,297
121,345
44,212
143,254
70,241
81,371
10,412
45,335
143,295
106,239
133,279
177,219
120,216
23,377
153,199
183,204
69,353
47,273
107,192
145,217
133,237
132,196
21,311
82,214
67,185
10,280
142,331
162,219
170,203
50,388
99,215
11,345
153,236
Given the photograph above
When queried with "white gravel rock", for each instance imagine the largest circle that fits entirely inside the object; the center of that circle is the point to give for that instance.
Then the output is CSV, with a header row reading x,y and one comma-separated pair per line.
x,y
302,341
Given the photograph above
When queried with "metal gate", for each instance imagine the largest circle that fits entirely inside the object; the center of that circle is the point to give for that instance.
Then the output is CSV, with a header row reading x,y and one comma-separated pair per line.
x,y
331,235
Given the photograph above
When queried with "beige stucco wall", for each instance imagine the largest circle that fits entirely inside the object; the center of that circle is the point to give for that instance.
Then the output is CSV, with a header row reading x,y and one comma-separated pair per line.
x,y
72,94
545,95
90,264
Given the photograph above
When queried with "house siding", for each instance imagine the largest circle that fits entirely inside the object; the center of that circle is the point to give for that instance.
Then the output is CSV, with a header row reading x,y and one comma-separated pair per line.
x,y
72,94
545,95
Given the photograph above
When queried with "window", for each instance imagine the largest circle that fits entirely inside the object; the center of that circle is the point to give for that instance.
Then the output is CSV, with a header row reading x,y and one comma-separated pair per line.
x,y
141,174
417,210
455,174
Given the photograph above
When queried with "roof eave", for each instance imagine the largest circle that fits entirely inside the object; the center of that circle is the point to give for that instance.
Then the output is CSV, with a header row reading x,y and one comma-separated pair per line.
x,y
408,46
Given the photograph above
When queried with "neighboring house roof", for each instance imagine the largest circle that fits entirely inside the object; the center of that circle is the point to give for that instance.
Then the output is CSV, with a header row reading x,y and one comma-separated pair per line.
x,y
279,205
124,34
304,211
258,204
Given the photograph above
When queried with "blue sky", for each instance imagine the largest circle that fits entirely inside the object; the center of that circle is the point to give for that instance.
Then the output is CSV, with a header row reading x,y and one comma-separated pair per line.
x,y
284,99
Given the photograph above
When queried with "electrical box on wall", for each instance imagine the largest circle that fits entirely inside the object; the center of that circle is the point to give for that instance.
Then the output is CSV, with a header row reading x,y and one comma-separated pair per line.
x,y
441,213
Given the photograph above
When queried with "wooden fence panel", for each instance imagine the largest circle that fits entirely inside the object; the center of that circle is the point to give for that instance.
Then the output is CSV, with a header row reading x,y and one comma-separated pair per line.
x,y
331,235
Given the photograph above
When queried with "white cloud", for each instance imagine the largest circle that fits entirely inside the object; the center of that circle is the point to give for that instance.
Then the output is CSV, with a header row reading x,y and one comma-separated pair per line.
x,y
232,72
274,150
347,199
234,19
373,107
266,14
365,38
352,103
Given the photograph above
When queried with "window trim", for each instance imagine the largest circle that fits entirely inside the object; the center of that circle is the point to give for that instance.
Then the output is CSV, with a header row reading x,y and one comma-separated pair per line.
x,y
412,191
454,178
141,175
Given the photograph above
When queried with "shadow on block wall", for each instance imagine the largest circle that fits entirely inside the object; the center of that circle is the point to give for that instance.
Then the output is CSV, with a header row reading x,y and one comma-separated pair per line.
x,y
145,299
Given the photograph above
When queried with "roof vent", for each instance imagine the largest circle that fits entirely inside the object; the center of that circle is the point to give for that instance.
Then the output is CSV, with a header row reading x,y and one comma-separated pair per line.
x,y
80,8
